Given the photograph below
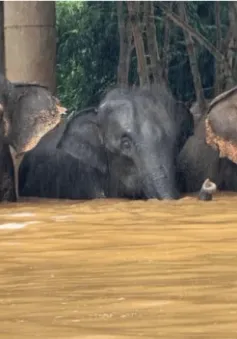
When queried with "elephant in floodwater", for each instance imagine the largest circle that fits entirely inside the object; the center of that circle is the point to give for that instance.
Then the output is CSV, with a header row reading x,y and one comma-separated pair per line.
x,y
27,112
211,151
81,160
138,132
47,171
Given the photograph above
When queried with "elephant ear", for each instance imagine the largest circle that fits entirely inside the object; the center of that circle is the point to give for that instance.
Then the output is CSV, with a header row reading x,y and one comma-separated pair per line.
x,y
221,124
82,139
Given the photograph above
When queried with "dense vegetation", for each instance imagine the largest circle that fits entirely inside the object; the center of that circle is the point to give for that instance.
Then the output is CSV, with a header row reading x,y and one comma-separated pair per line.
x,y
88,49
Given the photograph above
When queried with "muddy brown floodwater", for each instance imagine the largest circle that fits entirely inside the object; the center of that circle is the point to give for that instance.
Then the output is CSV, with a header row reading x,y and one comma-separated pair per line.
x,y
112,269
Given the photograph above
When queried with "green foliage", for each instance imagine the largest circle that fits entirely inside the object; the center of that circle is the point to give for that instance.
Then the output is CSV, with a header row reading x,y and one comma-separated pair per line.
x,y
88,50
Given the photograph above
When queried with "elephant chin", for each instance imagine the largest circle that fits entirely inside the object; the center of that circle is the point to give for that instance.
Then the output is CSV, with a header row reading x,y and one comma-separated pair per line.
x,y
160,188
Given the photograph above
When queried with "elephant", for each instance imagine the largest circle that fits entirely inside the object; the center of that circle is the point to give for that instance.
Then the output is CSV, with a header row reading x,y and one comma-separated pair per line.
x,y
50,172
124,148
137,130
210,152
27,112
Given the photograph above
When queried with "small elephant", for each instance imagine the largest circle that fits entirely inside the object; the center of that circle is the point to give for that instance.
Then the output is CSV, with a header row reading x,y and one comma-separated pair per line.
x,y
138,129
27,112
48,171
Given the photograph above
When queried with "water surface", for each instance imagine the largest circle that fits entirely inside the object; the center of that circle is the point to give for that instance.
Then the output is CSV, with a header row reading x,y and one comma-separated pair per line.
x,y
113,269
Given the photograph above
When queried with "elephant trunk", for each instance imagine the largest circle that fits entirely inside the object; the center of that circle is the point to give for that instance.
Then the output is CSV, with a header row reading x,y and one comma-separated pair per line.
x,y
159,181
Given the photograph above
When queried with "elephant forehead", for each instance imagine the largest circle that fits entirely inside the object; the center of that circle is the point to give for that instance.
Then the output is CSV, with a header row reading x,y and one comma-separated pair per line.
x,y
223,120
150,133
124,117
146,127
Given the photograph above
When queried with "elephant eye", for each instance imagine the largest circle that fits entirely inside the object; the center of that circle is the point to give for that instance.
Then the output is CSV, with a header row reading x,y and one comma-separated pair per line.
x,y
126,143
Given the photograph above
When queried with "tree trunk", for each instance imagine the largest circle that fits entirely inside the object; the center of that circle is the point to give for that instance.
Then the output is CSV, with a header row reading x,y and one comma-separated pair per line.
x,y
155,71
165,54
231,73
226,76
133,9
2,49
125,45
194,34
193,61
30,42
218,80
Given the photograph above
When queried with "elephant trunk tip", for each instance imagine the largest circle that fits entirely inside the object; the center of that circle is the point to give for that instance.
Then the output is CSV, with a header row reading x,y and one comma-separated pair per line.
x,y
207,190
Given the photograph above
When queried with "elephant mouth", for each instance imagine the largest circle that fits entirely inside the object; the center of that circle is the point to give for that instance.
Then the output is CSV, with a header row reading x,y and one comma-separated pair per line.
x,y
24,147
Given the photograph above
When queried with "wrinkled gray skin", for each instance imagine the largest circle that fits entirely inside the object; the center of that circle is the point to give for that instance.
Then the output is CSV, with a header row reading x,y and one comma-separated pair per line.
x,y
137,130
50,172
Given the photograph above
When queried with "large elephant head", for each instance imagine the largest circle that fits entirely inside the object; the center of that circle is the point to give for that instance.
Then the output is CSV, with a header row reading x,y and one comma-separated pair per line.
x,y
139,137
131,141
27,112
